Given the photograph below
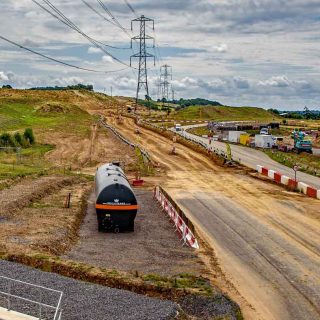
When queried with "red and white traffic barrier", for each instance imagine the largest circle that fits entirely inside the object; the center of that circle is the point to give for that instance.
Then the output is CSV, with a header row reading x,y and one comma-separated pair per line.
x,y
186,234
282,179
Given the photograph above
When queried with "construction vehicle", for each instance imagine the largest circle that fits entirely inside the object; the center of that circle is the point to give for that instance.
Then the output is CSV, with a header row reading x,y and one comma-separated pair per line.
x,y
301,143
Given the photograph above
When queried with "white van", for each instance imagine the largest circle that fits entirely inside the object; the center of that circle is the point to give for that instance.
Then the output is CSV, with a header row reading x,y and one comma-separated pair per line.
x,y
178,127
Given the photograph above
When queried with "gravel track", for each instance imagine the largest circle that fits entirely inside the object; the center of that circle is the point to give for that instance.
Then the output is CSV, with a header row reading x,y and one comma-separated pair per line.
x,y
154,246
88,301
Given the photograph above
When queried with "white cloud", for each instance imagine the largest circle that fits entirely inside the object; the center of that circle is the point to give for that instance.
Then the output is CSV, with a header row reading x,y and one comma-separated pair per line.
x,y
94,50
3,76
277,81
222,48
107,59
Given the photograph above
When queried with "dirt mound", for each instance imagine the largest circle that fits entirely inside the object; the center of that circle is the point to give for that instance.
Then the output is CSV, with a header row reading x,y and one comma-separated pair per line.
x,y
53,108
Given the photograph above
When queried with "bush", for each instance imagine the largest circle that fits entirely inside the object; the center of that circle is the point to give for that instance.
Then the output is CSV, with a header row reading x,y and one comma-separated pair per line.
x,y
6,140
18,138
29,136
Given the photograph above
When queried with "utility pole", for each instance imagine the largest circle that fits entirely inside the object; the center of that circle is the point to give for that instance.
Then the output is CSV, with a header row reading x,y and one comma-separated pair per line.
x,y
165,77
142,54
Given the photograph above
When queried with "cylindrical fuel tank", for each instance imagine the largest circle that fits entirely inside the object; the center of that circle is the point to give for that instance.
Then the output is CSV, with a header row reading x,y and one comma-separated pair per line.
x,y
116,204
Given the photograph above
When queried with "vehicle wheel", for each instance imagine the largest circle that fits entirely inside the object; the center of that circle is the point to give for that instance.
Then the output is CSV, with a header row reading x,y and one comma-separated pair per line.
x,y
100,227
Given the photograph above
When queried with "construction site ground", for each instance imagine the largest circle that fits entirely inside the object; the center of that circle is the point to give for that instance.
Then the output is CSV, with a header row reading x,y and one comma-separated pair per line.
x,y
153,248
265,240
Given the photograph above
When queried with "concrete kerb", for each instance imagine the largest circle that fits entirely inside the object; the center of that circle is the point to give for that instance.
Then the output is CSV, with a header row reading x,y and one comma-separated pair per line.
x,y
286,181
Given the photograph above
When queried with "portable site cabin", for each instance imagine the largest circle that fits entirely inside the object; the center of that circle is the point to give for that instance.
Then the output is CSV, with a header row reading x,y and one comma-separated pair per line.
x,y
245,139
264,141
234,136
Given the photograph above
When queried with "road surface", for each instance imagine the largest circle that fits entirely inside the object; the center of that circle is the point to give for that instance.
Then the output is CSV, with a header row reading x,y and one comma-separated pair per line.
x,y
252,157
266,240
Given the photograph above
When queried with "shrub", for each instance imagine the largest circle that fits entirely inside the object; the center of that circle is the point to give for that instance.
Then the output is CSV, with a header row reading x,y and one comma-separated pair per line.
x,y
18,138
29,136
6,140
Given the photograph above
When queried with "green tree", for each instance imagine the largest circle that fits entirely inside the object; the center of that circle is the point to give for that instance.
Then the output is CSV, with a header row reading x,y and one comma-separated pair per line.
x,y
29,136
6,140
18,138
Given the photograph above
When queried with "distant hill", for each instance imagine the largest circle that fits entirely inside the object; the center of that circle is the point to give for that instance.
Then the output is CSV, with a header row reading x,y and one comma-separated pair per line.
x,y
224,113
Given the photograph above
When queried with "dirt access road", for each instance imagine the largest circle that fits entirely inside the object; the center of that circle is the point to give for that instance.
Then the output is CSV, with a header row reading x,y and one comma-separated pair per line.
x,y
266,240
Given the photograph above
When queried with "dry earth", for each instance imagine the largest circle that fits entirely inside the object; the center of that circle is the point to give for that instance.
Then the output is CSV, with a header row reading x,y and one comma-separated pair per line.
x,y
33,217
266,240
85,154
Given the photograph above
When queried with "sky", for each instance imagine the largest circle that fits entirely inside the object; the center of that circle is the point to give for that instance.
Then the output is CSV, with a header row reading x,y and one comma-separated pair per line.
x,y
262,53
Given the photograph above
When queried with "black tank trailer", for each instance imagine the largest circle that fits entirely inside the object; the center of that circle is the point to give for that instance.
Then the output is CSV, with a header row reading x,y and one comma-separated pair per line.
x,y
116,204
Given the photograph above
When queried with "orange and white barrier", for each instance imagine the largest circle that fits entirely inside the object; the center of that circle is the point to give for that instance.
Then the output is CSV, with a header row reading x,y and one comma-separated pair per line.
x,y
186,234
284,180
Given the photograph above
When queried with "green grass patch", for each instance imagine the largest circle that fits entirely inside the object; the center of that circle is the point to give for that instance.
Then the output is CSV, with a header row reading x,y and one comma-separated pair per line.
x,y
30,161
308,163
199,131
14,116
181,281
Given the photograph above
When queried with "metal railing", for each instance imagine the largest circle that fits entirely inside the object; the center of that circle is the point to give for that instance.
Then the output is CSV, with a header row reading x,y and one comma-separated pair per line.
x,y
11,294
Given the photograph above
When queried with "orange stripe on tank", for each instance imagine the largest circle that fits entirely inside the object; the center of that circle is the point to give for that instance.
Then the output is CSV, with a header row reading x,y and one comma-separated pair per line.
x,y
119,208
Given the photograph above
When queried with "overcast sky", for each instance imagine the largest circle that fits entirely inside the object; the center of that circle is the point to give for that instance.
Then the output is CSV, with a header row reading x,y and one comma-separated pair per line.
x,y
240,52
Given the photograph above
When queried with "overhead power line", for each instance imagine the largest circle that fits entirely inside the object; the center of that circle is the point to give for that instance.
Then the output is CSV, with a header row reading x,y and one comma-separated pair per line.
x,y
131,8
58,61
105,8
62,18
98,13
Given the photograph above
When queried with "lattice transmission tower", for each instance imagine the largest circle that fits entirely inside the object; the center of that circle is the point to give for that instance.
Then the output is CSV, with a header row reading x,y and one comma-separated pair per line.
x,y
165,81
142,54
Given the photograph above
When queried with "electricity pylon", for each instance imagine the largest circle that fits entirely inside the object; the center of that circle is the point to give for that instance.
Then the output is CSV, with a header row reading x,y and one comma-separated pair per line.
x,y
165,77
142,54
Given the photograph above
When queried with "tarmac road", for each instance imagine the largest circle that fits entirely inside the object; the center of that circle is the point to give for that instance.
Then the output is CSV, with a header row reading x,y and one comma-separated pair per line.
x,y
252,157
266,240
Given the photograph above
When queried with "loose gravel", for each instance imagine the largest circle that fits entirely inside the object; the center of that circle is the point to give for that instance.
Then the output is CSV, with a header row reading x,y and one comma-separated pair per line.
x,y
154,247
83,300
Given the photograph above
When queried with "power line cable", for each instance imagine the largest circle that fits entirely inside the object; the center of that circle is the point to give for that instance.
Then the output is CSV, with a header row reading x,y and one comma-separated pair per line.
x,y
98,13
131,8
62,18
105,8
104,18
56,60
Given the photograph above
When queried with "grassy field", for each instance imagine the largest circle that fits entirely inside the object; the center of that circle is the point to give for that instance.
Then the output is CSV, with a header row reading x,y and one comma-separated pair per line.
x,y
224,113
41,110
52,115
307,162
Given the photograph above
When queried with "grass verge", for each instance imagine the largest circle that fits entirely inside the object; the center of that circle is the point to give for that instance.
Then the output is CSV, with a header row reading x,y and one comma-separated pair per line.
x,y
308,163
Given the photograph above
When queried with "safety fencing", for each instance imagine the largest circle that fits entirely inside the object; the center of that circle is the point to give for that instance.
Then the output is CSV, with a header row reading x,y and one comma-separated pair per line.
x,y
286,181
183,225
126,141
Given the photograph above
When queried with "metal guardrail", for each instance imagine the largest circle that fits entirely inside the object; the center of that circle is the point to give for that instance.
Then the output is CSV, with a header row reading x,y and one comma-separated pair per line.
x,y
122,138
41,290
